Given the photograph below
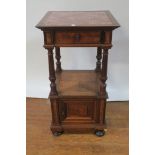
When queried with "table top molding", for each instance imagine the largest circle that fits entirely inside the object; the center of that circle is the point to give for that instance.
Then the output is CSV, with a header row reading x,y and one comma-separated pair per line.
x,y
78,19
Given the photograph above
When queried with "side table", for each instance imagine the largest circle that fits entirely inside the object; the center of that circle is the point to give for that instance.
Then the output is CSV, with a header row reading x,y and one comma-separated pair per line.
x,y
78,98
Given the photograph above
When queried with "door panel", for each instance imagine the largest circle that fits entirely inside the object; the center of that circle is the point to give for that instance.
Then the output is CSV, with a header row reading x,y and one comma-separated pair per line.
x,y
77,111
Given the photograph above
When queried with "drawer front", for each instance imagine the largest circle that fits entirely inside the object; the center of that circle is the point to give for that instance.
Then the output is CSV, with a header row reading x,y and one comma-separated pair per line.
x,y
75,37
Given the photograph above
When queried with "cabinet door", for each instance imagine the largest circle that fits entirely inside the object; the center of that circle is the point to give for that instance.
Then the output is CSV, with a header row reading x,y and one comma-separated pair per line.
x,y
77,111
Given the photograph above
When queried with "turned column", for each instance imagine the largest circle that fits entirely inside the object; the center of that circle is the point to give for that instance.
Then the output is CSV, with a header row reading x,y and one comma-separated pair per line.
x,y
55,124
49,45
102,93
52,77
104,73
98,57
106,46
58,56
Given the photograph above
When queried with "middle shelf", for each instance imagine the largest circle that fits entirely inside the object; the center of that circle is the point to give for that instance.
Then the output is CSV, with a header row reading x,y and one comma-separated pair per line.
x,y
73,83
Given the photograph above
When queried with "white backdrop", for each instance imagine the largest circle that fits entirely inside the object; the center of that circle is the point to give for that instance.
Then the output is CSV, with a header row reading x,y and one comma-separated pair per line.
x,y
77,58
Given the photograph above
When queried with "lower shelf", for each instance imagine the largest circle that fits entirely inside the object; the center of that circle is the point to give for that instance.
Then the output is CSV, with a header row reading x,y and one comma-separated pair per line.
x,y
77,83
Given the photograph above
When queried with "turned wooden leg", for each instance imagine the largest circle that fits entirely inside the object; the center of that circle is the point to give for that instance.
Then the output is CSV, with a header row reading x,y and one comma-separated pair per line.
x,y
102,111
58,56
99,131
103,95
55,124
98,57
52,77
102,92
104,73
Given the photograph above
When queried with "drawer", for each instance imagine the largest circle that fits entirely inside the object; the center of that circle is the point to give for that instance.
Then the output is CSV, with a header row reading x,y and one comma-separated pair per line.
x,y
75,37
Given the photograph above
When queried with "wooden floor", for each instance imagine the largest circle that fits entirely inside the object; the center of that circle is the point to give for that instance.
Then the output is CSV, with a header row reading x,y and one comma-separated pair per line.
x,y
40,141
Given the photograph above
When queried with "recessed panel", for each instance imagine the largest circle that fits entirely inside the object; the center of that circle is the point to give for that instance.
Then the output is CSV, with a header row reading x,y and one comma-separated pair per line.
x,y
77,109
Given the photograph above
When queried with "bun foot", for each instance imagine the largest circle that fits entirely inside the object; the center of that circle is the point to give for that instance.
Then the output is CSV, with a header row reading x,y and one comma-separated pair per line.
x,y
57,133
100,133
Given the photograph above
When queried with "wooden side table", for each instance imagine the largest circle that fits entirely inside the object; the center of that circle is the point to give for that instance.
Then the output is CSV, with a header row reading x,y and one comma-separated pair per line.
x,y
78,98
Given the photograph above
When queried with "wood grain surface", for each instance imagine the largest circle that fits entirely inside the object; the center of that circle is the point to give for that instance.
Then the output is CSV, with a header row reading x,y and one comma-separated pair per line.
x,y
77,83
40,141
77,19
71,37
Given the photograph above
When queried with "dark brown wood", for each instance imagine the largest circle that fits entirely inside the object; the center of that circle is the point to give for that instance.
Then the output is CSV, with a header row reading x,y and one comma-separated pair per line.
x,y
48,38
78,98
77,45
104,73
106,47
71,83
78,19
58,56
52,72
76,111
99,57
56,123
76,37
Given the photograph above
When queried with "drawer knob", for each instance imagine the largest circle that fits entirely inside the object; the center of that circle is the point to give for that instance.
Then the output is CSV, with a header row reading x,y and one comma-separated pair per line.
x,y
77,37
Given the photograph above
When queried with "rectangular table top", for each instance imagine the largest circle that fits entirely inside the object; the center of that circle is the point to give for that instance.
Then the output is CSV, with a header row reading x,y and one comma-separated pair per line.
x,y
78,19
